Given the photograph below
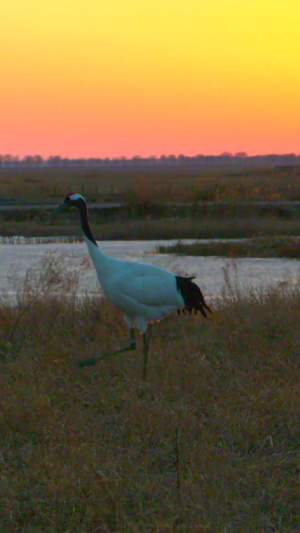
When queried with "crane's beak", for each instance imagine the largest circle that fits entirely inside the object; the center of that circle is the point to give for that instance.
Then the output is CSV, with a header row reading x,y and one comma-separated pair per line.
x,y
60,209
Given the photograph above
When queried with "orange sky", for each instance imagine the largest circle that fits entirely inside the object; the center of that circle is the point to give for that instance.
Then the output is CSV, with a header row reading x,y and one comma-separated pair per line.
x,y
149,77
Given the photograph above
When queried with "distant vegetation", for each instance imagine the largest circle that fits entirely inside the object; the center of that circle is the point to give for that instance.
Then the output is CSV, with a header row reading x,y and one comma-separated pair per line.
x,y
159,180
153,200
255,247
226,159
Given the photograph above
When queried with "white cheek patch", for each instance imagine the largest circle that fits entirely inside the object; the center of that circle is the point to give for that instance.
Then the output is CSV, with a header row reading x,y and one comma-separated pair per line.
x,y
75,196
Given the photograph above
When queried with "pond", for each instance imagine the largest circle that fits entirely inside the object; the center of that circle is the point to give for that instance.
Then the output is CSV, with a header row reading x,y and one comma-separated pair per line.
x,y
208,271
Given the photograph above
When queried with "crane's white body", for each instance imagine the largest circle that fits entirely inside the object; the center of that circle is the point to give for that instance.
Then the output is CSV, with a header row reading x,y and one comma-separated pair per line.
x,y
143,292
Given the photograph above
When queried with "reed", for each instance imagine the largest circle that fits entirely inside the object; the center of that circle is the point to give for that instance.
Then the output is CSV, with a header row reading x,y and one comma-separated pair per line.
x,y
282,246
182,184
141,228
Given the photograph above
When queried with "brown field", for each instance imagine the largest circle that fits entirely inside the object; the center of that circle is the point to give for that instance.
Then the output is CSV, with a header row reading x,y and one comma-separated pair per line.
x,y
149,228
209,444
156,202
149,183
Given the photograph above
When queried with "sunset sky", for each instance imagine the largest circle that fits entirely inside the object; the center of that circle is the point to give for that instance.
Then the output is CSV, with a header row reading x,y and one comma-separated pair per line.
x,y
110,78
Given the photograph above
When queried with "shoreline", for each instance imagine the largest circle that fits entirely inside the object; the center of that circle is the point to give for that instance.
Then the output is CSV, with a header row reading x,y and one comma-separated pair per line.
x,y
255,247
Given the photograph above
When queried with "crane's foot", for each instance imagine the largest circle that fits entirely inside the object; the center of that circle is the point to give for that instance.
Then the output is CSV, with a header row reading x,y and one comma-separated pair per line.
x,y
93,360
87,362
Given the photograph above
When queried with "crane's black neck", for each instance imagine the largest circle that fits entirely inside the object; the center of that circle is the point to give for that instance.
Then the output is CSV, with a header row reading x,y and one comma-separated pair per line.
x,y
83,213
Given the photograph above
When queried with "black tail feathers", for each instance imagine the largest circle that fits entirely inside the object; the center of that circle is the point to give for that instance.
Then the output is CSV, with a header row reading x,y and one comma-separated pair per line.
x,y
192,295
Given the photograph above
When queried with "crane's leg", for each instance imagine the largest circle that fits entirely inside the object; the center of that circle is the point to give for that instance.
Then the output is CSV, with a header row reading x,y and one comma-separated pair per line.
x,y
145,354
93,360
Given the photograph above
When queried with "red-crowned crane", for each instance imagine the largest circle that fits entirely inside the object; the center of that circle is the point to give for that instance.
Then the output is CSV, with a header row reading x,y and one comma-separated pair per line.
x,y
143,292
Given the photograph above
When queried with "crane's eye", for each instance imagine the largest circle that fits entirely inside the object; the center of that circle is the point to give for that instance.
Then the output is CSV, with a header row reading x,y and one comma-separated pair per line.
x,y
68,198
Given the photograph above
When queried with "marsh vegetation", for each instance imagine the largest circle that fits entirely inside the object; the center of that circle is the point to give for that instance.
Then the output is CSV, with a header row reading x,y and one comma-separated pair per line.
x,y
151,203
255,247
150,183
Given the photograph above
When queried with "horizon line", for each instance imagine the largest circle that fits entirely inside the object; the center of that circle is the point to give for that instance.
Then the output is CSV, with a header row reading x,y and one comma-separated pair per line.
x,y
35,157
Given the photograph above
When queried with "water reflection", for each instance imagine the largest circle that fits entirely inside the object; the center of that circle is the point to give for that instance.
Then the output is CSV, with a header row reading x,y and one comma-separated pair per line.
x,y
208,271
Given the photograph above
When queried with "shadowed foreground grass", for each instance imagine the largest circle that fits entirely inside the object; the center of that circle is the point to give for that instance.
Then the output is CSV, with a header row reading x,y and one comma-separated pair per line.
x,y
209,444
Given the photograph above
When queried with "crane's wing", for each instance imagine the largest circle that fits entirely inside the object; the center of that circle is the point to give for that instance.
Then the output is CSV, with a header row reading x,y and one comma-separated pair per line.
x,y
149,285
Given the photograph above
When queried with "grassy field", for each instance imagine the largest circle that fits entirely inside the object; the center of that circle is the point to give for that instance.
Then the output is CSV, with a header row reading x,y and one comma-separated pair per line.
x,y
147,228
209,444
148,183
255,247
150,198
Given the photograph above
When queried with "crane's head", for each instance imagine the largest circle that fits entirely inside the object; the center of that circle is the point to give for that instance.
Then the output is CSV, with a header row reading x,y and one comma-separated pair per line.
x,y
71,200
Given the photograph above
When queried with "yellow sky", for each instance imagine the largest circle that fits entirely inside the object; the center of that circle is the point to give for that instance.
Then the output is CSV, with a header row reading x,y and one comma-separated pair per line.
x,y
101,78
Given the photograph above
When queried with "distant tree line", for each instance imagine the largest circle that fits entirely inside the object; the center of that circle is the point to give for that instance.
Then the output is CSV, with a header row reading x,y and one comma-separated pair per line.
x,y
226,159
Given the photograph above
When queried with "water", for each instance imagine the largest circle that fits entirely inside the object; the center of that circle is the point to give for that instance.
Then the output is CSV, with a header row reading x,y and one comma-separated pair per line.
x,y
208,271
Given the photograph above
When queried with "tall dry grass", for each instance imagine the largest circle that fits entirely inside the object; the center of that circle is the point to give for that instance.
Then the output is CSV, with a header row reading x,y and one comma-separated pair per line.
x,y
155,228
150,183
156,202
209,444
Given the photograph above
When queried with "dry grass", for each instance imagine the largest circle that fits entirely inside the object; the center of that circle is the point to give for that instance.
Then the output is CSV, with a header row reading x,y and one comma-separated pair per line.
x,y
172,227
282,246
150,183
209,444
156,202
